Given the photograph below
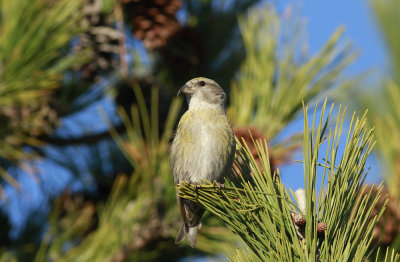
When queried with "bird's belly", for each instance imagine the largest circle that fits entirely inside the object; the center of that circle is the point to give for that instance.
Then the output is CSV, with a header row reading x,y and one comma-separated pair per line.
x,y
202,147
208,156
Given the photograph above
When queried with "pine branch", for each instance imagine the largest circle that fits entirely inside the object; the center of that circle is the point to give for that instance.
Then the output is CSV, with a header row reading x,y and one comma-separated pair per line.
x,y
278,74
32,68
259,210
387,14
382,102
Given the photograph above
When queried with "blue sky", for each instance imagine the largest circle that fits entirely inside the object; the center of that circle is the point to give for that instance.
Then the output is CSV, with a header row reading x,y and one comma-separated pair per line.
x,y
361,28
323,18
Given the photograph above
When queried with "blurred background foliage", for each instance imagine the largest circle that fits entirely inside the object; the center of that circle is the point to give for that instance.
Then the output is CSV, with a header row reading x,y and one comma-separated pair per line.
x,y
381,100
60,61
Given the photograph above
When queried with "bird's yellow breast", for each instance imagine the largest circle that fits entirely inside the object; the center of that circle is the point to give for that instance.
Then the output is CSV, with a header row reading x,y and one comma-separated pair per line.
x,y
203,146
203,123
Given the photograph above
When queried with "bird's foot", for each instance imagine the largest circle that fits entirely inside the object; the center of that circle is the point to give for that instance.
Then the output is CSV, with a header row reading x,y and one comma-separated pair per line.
x,y
219,185
197,185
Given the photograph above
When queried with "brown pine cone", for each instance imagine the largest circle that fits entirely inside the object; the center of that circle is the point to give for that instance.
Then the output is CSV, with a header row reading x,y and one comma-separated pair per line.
x,y
321,228
153,21
243,133
298,219
101,38
388,225
33,120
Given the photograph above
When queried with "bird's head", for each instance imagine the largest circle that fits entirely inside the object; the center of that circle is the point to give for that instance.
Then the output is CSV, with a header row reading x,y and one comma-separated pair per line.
x,y
203,92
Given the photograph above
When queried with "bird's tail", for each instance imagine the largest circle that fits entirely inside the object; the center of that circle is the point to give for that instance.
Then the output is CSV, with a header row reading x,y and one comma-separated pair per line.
x,y
191,214
188,232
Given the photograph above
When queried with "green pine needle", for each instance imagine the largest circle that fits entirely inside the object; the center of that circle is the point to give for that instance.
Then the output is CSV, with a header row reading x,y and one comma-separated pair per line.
x,y
255,205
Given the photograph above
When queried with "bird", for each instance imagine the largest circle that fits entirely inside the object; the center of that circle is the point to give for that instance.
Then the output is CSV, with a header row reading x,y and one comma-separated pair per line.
x,y
203,148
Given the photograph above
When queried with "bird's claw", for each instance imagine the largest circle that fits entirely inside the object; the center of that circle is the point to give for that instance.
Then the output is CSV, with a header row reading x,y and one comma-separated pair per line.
x,y
219,185
196,187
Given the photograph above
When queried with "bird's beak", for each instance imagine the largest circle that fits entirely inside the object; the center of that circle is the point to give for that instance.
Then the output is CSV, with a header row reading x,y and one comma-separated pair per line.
x,y
186,90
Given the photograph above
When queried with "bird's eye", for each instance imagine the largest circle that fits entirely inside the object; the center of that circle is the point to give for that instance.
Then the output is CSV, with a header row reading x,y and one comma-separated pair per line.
x,y
202,83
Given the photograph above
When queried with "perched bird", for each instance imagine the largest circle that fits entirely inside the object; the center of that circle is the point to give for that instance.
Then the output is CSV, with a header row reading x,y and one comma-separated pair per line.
x,y
203,147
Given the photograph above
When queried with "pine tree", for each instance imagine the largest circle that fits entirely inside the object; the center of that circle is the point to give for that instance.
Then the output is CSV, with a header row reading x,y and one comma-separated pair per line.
x,y
383,107
333,225
131,214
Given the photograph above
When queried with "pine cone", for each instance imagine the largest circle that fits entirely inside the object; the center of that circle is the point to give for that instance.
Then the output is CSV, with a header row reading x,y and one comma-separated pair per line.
x,y
243,133
321,228
101,38
33,120
298,219
388,225
185,51
153,21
